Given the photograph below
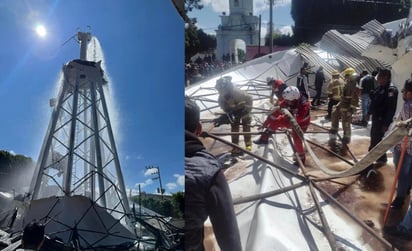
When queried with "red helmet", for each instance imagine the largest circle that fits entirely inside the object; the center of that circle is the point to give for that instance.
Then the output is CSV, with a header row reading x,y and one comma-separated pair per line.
x,y
277,83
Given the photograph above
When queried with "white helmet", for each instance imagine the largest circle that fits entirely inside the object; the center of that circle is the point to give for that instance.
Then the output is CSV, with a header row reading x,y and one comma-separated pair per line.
x,y
291,93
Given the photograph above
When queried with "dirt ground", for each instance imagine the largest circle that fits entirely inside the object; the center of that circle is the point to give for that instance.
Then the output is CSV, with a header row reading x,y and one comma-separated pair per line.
x,y
366,200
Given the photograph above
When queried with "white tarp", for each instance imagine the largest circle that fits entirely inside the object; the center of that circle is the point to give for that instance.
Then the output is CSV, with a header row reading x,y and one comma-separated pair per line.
x,y
66,216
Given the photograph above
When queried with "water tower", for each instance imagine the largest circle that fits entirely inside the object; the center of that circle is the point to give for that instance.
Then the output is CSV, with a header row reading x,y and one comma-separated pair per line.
x,y
77,188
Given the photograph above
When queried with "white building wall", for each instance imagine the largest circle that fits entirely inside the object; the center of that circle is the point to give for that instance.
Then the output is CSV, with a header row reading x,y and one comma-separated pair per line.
x,y
239,24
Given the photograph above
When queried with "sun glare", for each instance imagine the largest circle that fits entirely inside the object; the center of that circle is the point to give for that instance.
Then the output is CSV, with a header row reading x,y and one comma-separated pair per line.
x,y
41,30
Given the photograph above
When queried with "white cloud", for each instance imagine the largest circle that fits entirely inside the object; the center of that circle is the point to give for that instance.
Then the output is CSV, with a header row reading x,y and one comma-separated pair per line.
x,y
180,179
219,6
146,183
150,171
171,186
286,30
134,157
260,5
12,152
132,191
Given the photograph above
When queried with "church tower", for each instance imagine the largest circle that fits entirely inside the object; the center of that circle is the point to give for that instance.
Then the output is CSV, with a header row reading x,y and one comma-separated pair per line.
x,y
239,24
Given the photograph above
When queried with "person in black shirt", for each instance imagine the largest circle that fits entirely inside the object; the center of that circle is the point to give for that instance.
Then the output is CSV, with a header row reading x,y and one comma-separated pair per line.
x,y
207,192
382,109
33,237
319,80
367,85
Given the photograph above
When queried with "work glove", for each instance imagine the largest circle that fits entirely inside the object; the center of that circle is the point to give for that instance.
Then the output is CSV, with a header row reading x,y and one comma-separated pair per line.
x,y
226,118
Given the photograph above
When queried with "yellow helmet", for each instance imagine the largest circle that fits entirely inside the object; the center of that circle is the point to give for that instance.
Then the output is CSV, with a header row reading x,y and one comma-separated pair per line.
x,y
348,71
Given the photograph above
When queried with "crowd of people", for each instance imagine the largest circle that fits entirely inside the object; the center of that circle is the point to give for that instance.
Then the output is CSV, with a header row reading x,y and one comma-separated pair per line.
x,y
206,67
347,91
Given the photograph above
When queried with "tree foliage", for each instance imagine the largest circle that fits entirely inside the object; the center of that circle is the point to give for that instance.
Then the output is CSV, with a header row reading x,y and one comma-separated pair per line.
x,y
15,171
193,4
241,55
170,206
9,161
196,40
280,40
178,202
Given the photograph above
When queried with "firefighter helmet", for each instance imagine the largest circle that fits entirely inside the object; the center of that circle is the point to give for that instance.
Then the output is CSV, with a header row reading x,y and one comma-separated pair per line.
x,y
277,83
224,83
348,71
270,80
291,93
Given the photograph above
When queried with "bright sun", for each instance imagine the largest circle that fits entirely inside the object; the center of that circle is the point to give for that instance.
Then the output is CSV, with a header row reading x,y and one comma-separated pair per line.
x,y
41,30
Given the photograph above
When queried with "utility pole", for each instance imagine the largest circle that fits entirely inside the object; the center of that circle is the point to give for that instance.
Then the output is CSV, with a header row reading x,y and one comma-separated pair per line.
x,y
157,172
260,29
271,25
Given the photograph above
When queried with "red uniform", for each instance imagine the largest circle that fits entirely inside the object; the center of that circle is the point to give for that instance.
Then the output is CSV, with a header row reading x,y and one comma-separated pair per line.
x,y
300,109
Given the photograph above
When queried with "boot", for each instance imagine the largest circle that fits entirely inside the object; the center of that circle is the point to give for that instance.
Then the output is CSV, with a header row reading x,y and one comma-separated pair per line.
x,y
236,152
344,150
362,123
397,203
264,138
332,137
332,142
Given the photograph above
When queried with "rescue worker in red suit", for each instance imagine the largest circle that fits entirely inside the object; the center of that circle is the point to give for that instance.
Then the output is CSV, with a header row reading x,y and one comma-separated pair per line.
x,y
298,105
277,89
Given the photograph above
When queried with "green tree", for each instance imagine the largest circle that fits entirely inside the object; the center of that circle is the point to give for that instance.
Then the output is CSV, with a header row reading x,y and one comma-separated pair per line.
x,y
172,206
178,201
166,208
15,171
196,40
184,7
193,4
241,55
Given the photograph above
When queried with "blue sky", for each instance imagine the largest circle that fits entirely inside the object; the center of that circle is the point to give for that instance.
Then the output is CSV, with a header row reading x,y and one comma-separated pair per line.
x,y
208,18
143,46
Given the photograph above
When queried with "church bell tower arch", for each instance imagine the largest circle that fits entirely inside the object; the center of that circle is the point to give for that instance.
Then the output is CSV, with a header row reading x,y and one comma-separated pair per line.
x,y
239,24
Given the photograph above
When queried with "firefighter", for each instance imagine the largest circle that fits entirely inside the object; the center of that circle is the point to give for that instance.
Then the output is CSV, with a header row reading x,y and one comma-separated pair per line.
x,y
334,92
277,89
237,105
298,105
344,109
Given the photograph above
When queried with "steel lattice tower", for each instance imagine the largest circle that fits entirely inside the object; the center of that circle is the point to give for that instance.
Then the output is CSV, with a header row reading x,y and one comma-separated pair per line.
x,y
78,155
